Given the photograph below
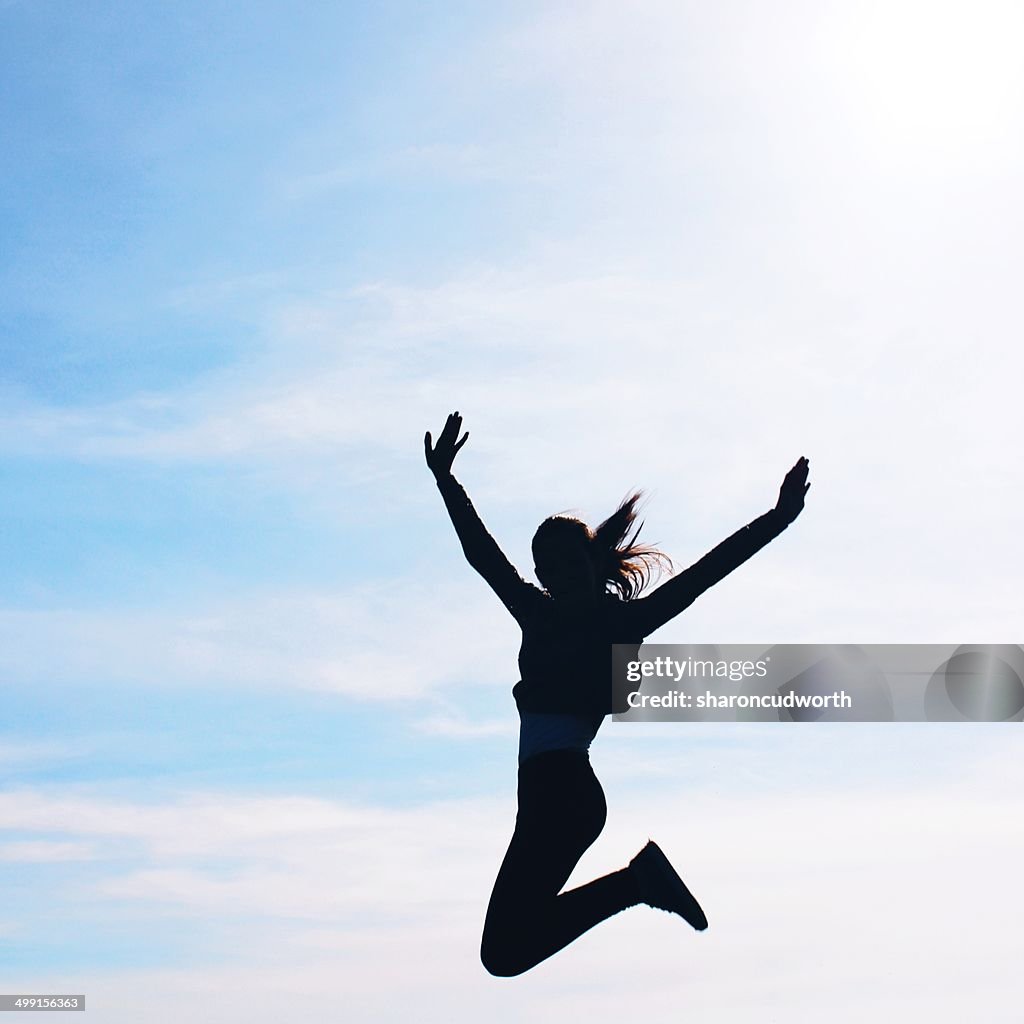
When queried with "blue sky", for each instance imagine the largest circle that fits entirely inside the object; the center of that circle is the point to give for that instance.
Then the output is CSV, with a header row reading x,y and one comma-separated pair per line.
x,y
257,729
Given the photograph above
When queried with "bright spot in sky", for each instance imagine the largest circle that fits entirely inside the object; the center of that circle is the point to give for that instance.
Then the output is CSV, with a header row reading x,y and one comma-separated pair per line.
x,y
937,78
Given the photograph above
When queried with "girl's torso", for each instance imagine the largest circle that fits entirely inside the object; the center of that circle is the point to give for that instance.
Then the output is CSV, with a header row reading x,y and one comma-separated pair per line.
x,y
565,663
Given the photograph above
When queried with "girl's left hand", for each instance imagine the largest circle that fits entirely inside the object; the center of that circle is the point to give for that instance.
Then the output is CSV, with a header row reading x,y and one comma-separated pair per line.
x,y
792,491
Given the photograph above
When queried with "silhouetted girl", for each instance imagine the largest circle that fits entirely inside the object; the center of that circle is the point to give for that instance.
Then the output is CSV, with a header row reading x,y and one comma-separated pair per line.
x,y
590,600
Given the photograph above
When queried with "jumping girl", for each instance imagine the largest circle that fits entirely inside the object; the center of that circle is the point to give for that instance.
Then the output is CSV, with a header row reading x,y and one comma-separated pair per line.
x,y
591,580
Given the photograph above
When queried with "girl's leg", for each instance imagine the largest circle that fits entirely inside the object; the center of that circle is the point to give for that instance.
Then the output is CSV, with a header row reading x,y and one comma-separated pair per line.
x,y
561,812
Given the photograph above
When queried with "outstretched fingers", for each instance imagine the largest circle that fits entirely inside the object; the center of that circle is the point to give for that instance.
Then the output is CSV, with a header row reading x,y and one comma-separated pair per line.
x,y
797,476
439,456
793,489
451,431
451,427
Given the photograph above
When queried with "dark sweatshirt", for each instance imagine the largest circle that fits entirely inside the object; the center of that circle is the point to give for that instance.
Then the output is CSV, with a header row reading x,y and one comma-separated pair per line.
x,y
565,657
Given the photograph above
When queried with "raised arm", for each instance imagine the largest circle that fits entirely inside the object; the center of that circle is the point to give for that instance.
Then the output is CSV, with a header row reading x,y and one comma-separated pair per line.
x,y
646,614
481,549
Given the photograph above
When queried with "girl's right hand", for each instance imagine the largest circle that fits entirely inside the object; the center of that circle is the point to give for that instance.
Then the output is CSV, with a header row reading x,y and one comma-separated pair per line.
x,y
440,456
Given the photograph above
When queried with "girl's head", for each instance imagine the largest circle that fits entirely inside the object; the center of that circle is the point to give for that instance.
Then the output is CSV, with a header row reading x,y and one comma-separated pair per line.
x,y
570,559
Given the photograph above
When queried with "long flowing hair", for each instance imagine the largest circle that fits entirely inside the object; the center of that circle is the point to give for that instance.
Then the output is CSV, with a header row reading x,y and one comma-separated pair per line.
x,y
623,564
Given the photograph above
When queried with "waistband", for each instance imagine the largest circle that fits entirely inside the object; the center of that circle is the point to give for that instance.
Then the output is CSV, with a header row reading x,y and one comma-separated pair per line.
x,y
547,758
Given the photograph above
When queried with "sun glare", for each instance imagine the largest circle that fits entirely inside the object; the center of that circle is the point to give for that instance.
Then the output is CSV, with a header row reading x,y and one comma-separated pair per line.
x,y
935,76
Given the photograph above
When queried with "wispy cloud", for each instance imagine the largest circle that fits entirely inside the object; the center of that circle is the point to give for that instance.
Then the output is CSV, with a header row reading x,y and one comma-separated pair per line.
x,y
458,727
328,893
598,398
42,852
463,162
16,752
385,641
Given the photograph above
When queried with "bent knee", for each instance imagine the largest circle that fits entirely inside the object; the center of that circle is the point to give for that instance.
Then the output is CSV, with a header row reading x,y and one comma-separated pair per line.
x,y
501,962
